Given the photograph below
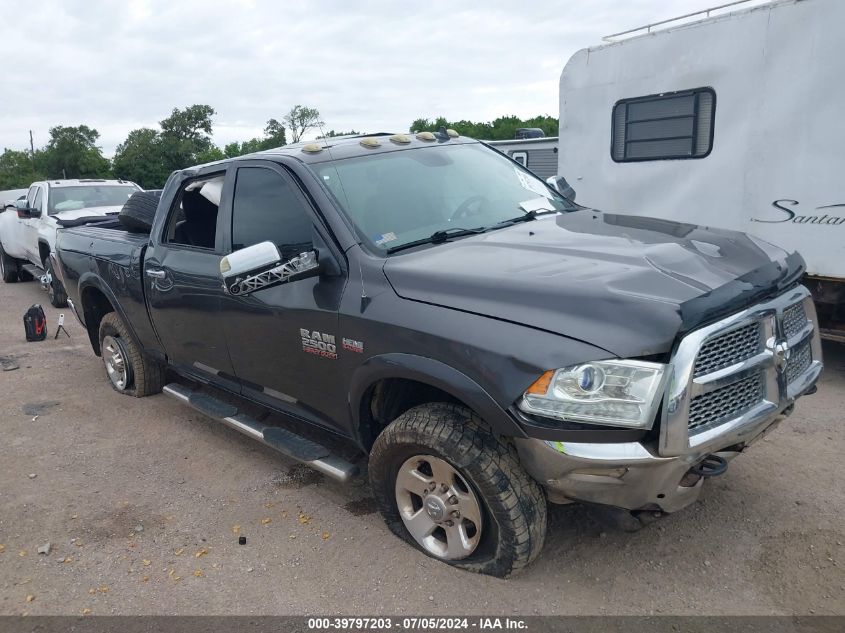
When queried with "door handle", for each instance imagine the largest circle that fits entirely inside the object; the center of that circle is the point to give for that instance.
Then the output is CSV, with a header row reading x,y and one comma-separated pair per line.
x,y
156,273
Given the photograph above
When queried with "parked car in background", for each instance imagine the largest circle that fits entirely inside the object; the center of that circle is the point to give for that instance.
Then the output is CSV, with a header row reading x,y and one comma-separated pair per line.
x,y
734,121
490,344
28,229
9,196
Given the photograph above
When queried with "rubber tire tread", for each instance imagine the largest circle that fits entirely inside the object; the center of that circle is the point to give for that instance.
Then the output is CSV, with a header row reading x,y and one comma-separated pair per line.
x,y
147,374
59,297
512,498
10,267
138,213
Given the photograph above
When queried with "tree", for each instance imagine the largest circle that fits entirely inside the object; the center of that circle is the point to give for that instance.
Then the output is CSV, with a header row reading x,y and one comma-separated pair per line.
x,y
140,159
274,134
300,119
72,152
332,133
502,128
186,135
17,170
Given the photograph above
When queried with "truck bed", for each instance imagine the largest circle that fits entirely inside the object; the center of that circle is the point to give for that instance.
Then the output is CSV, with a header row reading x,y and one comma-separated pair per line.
x,y
107,253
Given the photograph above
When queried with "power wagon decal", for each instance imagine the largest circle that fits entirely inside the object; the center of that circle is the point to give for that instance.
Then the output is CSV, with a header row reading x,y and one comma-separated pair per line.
x,y
318,343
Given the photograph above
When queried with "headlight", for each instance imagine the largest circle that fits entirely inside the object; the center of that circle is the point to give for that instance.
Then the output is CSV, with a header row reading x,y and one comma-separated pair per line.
x,y
614,392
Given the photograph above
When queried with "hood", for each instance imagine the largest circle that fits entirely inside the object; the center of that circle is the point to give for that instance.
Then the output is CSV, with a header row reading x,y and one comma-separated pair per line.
x,y
626,284
87,212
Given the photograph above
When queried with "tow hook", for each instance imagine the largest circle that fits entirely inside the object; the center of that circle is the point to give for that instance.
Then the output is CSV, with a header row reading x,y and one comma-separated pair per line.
x,y
711,466
45,280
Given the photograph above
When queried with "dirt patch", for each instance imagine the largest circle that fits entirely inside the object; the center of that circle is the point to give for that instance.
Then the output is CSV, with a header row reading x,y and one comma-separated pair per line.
x,y
361,507
297,476
802,571
39,408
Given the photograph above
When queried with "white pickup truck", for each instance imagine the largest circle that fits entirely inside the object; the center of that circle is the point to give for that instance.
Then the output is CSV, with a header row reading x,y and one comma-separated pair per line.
x,y
28,226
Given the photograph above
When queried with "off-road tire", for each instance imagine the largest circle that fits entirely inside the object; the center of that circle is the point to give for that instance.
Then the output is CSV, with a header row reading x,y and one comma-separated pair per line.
x,y
147,374
8,267
514,505
139,211
56,291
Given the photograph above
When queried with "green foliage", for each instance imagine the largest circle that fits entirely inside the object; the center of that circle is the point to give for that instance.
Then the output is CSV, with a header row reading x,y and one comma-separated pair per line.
x,y
72,152
332,133
502,128
17,170
185,136
274,135
300,119
139,159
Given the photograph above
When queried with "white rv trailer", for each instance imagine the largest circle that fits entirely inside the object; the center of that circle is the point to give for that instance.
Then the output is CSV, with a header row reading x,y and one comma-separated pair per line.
x,y
733,121
537,154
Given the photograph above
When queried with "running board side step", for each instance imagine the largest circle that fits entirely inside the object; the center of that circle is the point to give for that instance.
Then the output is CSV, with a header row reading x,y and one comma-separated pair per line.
x,y
286,442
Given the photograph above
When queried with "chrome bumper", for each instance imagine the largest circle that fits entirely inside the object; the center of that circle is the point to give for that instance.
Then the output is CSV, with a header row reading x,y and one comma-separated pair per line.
x,y
639,476
629,475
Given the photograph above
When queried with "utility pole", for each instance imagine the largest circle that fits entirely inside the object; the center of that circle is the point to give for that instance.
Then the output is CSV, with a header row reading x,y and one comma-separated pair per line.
x,y
32,150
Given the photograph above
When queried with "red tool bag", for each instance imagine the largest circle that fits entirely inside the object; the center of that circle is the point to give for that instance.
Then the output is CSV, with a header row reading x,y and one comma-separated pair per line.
x,y
35,323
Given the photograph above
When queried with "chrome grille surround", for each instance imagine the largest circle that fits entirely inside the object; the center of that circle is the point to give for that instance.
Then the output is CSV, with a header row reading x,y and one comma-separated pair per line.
x,y
799,360
726,402
727,349
687,428
794,319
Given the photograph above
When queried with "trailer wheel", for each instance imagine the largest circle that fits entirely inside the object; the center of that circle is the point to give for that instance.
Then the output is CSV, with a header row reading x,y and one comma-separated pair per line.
x,y
129,371
446,485
139,211
8,267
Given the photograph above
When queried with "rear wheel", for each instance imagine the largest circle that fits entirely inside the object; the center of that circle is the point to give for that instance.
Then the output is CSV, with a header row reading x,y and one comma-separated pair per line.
x,y
128,370
446,485
58,296
8,267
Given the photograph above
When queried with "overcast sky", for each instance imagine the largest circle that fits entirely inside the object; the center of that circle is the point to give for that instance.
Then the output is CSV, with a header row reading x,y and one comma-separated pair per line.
x,y
372,65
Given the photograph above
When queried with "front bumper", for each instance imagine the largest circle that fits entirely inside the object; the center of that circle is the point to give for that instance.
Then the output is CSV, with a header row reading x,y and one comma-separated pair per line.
x,y
656,474
628,475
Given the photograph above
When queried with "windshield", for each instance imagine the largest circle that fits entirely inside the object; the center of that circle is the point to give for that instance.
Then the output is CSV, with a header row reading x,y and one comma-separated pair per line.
x,y
84,197
399,197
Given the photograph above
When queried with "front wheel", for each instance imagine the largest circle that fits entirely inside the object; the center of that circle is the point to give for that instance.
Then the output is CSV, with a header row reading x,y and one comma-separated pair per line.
x,y
129,371
8,267
446,485
55,289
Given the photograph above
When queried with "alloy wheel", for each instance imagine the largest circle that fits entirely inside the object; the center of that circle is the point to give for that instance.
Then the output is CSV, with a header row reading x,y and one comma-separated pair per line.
x,y
438,507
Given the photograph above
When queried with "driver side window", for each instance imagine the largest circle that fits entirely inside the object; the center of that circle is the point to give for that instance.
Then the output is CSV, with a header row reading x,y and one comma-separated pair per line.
x,y
39,199
269,207
193,217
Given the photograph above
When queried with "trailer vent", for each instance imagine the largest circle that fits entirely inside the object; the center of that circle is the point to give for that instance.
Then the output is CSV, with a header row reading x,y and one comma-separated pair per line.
x,y
664,126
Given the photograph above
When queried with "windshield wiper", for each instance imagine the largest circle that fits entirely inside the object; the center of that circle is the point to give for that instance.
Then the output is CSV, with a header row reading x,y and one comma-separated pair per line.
x,y
438,237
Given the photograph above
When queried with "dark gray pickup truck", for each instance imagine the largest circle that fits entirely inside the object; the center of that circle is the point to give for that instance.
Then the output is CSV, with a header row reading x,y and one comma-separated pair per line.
x,y
489,344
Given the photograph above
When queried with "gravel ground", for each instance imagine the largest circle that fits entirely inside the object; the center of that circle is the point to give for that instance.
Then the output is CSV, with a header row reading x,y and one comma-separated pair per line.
x,y
142,501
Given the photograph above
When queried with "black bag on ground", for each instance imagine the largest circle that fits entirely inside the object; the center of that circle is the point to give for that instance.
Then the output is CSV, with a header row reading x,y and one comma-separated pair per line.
x,y
35,323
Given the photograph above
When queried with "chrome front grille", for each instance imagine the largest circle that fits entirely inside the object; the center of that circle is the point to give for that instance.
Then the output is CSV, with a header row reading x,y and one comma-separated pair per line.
x,y
740,370
728,349
725,403
799,360
794,319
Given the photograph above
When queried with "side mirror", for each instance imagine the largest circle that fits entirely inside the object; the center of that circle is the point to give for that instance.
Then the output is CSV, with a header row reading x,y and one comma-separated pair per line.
x,y
559,184
23,209
260,266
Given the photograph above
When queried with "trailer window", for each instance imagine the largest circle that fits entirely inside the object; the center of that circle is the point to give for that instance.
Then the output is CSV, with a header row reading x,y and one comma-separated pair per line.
x,y
665,126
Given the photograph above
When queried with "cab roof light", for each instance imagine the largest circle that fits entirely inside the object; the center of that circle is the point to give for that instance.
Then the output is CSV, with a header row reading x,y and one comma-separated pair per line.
x,y
452,133
400,139
312,148
426,136
370,142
